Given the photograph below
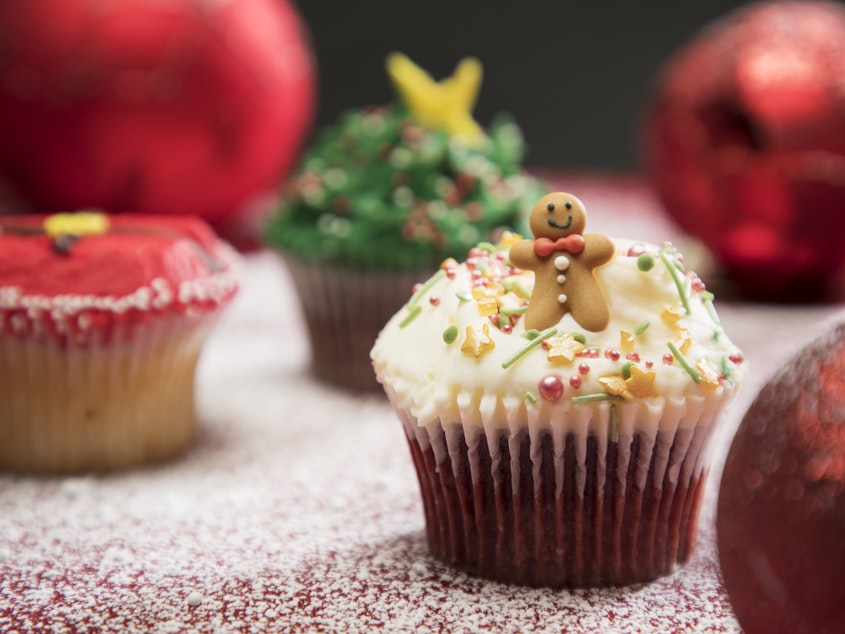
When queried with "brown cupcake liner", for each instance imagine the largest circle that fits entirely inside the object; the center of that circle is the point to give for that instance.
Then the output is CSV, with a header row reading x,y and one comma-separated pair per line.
x,y
592,512
67,407
345,309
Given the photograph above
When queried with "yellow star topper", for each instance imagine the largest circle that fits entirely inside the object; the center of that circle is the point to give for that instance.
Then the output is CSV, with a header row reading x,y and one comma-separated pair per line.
x,y
446,105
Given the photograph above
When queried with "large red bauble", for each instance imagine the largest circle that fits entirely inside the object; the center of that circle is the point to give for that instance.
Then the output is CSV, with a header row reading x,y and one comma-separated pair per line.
x,y
160,106
781,508
745,143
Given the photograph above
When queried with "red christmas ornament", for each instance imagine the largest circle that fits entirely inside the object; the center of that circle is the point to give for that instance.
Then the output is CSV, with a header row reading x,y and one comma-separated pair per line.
x,y
745,141
183,107
781,509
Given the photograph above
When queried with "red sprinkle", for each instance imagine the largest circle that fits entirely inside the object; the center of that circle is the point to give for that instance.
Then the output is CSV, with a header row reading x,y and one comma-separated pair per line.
x,y
736,358
668,359
636,250
550,387
649,364
587,353
612,354
507,329
584,368
416,287
633,356
451,273
575,381
434,300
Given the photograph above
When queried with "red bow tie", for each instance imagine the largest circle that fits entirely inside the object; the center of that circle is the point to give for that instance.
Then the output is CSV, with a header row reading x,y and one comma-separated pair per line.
x,y
545,246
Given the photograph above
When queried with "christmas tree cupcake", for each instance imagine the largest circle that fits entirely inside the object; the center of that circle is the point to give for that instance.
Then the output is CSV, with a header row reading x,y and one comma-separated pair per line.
x,y
558,395
383,197
102,319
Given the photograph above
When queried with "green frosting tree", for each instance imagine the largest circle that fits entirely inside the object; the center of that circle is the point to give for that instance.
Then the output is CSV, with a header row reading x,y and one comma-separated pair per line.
x,y
405,186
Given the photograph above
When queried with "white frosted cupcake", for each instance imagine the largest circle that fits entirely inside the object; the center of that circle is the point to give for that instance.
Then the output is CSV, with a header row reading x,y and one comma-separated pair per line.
x,y
552,450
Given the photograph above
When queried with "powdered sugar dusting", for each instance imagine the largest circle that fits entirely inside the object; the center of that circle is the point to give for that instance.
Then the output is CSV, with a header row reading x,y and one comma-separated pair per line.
x,y
296,510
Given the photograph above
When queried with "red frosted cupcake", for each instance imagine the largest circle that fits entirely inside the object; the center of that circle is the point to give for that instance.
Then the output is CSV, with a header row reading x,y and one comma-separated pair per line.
x,y
558,413
101,324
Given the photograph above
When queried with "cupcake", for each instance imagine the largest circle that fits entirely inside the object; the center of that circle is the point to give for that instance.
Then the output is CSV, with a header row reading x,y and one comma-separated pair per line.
x,y
101,323
558,396
382,198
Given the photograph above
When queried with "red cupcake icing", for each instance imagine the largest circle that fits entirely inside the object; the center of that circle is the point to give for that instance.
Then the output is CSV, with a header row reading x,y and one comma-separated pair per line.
x,y
87,277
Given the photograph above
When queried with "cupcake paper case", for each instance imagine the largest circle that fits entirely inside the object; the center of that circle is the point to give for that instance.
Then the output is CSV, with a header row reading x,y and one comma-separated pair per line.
x,y
101,324
382,198
560,456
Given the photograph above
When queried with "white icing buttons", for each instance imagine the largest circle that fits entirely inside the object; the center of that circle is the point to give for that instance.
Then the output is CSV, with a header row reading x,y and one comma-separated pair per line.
x,y
562,298
561,263
561,278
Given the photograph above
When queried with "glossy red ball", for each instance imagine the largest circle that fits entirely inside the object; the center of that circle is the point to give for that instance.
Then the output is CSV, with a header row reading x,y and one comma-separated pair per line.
x,y
550,387
781,508
745,145
185,106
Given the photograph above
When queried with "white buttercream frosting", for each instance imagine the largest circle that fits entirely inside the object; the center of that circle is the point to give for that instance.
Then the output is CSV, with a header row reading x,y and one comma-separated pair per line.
x,y
447,356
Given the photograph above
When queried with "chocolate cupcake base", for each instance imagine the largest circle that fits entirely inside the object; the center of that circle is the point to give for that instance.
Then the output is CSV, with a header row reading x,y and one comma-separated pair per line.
x,y
344,310
590,512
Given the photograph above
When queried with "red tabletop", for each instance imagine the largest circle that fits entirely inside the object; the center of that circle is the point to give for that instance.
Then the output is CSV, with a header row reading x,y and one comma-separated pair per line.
x,y
298,510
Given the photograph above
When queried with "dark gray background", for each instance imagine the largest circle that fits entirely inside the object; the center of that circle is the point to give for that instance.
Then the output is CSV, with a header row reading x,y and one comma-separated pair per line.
x,y
576,75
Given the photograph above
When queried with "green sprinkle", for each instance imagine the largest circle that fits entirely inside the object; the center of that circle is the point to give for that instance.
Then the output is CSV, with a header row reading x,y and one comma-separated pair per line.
x,y
696,377
529,396
464,296
726,369
626,369
716,335
676,277
580,337
708,295
598,396
645,262
450,334
486,246
531,334
513,311
642,327
416,310
613,425
521,290
711,310
502,320
424,288
536,341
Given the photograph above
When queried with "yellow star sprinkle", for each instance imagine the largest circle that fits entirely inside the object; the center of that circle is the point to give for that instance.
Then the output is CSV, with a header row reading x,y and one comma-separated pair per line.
x,y
672,315
641,383
446,105
615,384
76,224
477,340
685,341
709,376
563,348
626,340
487,306
508,239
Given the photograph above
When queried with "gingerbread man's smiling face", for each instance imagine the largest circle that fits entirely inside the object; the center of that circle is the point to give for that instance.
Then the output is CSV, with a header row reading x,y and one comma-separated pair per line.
x,y
557,215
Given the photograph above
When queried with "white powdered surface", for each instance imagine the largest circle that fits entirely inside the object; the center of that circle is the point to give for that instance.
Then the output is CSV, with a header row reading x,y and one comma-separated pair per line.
x,y
297,510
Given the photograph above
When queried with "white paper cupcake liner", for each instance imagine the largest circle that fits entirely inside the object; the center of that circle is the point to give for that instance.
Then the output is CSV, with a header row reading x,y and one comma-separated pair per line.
x,y
70,407
584,500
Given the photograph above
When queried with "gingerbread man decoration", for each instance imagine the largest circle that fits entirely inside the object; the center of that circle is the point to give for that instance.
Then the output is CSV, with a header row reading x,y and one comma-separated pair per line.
x,y
563,261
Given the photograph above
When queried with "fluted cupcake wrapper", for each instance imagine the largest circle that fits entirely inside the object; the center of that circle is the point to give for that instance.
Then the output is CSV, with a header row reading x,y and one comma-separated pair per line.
x,y
344,311
69,407
560,508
